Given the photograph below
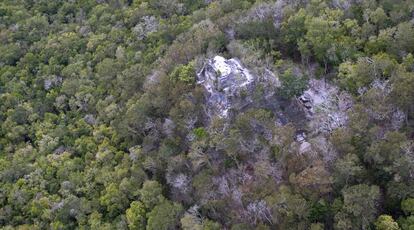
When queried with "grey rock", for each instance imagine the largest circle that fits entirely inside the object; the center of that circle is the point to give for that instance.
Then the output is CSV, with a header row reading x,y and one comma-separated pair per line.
x,y
228,85
300,137
304,147
90,119
52,81
398,119
325,106
148,25
84,30
168,127
61,149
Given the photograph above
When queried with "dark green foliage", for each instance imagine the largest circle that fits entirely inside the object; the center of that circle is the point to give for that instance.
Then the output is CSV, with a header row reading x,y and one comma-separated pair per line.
x,y
200,133
408,206
164,216
318,212
183,73
292,85
256,29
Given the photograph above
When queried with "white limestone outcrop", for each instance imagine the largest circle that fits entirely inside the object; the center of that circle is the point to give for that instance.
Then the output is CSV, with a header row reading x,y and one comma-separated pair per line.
x,y
225,81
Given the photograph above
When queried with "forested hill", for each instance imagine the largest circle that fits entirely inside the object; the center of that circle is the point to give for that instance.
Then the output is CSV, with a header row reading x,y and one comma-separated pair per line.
x,y
207,114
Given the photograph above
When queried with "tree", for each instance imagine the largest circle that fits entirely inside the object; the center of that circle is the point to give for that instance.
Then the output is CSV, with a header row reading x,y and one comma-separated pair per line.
x,y
292,85
347,170
404,39
407,206
136,215
106,71
360,203
383,154
184,73
151,194
408,221
319,37
114,200
314,179
386,222
329,37
167,8
164,216
11,53
211,225
288,210
256,29
191,222
403,90
319,211
377,17
294,28
317,226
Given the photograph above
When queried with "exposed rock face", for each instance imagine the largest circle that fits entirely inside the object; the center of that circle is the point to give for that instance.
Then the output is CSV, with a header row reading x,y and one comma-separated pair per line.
x,y
228,85
326,107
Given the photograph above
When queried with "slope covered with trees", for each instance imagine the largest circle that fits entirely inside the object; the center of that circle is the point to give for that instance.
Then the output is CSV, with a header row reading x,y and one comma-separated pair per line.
x,y
103,126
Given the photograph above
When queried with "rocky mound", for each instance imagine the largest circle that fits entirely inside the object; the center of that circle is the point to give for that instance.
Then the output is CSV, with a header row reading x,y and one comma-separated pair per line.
x,y
325,105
